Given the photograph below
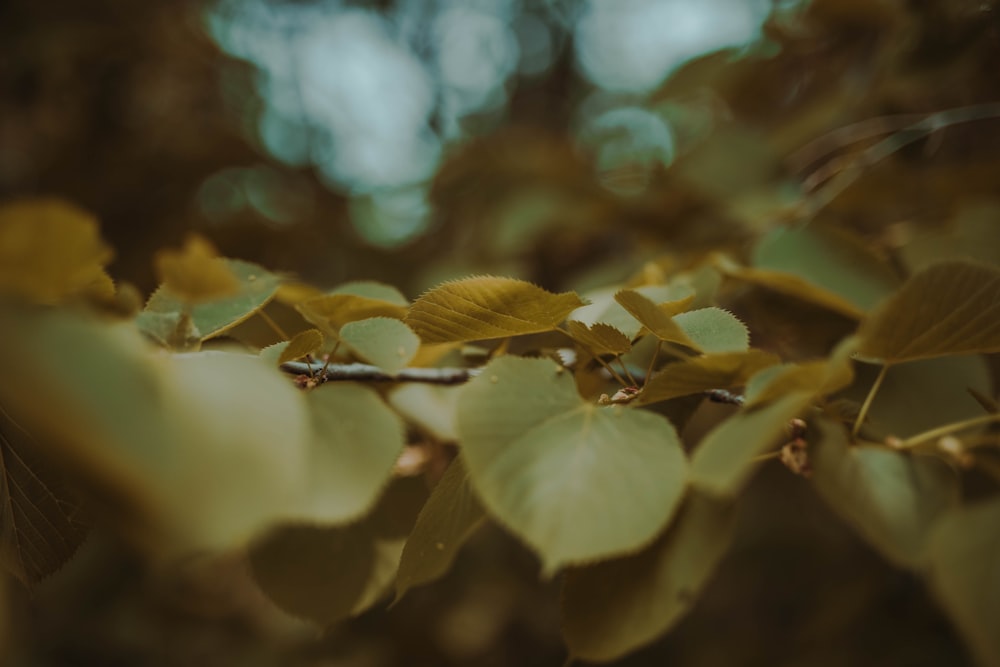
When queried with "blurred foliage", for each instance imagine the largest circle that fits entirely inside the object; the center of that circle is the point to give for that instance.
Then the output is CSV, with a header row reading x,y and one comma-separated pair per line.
x,y
818,179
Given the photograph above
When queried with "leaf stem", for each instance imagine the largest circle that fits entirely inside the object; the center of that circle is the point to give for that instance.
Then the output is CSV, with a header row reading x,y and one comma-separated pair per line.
x,y
766,457
274,325
627,373
947,429
652,362
868,400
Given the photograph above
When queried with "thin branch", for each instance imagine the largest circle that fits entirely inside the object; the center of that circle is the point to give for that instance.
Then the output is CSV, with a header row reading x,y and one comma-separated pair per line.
x,y
368,373
868,400
948,429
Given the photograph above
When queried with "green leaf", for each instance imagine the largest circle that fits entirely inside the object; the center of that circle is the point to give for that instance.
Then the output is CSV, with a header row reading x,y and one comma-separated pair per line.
x,y
711,371
614,607
599,339
962,556
212,318
892,498
355,441
657,320
42,523
830,259
431,407
450,516
487,307
49,250
604,308
330,312
714,330
383,341
326,574
725,457
948,308
576,481
195,274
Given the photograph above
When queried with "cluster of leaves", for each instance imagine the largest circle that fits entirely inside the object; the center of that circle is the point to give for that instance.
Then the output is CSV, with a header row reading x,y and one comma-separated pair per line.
x,y
171,425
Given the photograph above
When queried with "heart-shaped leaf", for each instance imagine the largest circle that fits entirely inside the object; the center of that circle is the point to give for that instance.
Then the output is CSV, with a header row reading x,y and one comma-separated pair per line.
x,y
576,481
487,307
616,606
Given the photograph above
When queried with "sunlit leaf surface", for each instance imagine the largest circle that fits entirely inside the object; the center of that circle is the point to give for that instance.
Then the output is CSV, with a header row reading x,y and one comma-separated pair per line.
x,y
383,341
487,307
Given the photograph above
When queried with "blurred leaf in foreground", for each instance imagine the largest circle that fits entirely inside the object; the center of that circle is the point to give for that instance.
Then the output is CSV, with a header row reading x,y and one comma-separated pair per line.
x,y
195,273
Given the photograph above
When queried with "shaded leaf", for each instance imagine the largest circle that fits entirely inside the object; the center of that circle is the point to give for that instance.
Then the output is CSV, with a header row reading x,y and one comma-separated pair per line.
x,y
450,516
712,371
790,285
383,341
576,481
196,273
487,307
657,320
605,309
257,286
599,338
829,258
820,378
42,522
948,308
49,250
326,574
892,498
616,606
330,312
714,330
724,459
962,556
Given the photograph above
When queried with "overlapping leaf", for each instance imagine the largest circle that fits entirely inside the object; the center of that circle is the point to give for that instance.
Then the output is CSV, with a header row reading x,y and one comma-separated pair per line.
x,y
576,481
195,274
450,516
302,344
487,307
962,556
49,250
616,606
659,321
257,287
599,338
605,309
951,307
820,378
384,341
712,371
42,523
326,573
892,498
714,330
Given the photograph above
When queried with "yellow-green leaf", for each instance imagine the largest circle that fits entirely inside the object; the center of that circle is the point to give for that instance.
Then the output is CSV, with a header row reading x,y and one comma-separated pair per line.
x,y
962,556
196,273
819,378
603,307
948,308
892,498
658,321
302,344
711,371
599,338
714,330
450,516
576,481
386,342
431,407
49,250
486,307
616,606
330,312
257,287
